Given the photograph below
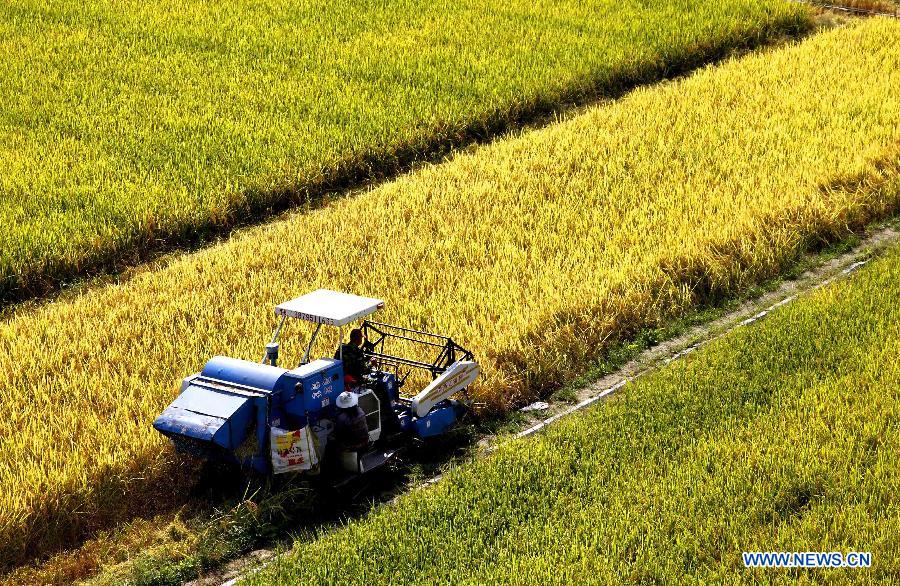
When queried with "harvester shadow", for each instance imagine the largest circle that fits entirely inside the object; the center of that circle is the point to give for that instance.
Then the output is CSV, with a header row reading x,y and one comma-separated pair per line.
x,y
271,513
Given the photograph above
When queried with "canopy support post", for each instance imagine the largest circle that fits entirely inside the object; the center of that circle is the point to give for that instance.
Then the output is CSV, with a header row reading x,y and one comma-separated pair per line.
x,y
275,335
310,345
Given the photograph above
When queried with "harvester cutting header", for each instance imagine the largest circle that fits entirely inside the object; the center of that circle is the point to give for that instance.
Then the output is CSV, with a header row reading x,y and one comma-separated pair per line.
x,y
343,415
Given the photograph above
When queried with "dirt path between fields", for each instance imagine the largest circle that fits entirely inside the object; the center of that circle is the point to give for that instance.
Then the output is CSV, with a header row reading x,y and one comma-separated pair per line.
x,y
652,359
747,313
856,8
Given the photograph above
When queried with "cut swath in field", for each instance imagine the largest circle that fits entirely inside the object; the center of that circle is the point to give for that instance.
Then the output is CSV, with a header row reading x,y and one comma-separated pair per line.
x,y
537,251
128,125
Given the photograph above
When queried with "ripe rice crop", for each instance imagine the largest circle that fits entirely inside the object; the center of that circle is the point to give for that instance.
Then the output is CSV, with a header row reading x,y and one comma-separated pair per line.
x,y
125,125
779,437
536,252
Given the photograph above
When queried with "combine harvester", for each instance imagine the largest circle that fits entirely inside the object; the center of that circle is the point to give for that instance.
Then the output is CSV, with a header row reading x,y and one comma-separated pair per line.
x,y
272,420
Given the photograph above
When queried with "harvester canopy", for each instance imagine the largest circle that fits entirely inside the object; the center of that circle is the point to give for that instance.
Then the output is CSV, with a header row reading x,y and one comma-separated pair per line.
x,y
332,308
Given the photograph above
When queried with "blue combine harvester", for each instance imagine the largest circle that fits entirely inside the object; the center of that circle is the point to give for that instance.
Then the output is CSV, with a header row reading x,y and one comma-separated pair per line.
x,y
272,420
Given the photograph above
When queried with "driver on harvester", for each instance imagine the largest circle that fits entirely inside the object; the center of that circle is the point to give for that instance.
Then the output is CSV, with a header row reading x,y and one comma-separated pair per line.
x,y
356,364
354,359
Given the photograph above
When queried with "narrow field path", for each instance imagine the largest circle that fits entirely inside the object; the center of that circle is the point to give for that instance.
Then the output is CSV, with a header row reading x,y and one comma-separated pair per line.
x,y
695,338
853,9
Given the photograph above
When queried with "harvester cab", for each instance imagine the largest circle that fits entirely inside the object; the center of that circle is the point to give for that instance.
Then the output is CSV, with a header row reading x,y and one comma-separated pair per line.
x,y
272,420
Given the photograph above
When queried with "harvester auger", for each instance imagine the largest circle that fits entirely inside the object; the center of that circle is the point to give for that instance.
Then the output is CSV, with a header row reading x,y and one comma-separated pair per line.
x,y
272,420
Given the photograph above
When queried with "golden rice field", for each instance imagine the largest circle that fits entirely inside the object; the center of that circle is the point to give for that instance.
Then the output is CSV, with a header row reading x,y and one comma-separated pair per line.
x,y
129,124
535,251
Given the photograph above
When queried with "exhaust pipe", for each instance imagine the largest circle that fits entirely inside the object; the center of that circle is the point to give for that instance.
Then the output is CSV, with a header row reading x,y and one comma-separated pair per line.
x,y
272,353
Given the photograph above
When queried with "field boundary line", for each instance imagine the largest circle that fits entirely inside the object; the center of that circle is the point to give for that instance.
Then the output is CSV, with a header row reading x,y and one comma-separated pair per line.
x,y
850,263
694,339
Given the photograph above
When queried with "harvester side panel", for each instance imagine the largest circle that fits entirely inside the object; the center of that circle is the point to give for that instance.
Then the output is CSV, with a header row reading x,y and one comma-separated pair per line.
x,y
322,381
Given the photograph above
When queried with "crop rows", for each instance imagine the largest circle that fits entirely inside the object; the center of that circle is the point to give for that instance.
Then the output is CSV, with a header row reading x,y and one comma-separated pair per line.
x,y
537,252
128,125
780,437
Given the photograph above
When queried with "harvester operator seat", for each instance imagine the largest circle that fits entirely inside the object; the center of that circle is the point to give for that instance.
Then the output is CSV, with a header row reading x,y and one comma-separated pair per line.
x,y
353,357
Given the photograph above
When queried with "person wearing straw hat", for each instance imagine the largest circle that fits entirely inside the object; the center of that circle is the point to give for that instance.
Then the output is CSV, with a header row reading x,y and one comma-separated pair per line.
x,y
351,432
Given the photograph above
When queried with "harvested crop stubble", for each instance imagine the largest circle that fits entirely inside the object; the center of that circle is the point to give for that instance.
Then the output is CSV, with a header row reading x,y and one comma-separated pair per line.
x,y
535,251
780,437
126,123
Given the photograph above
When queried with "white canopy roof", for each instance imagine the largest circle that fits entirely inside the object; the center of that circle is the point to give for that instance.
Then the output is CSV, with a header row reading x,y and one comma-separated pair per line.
x,y
329,307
